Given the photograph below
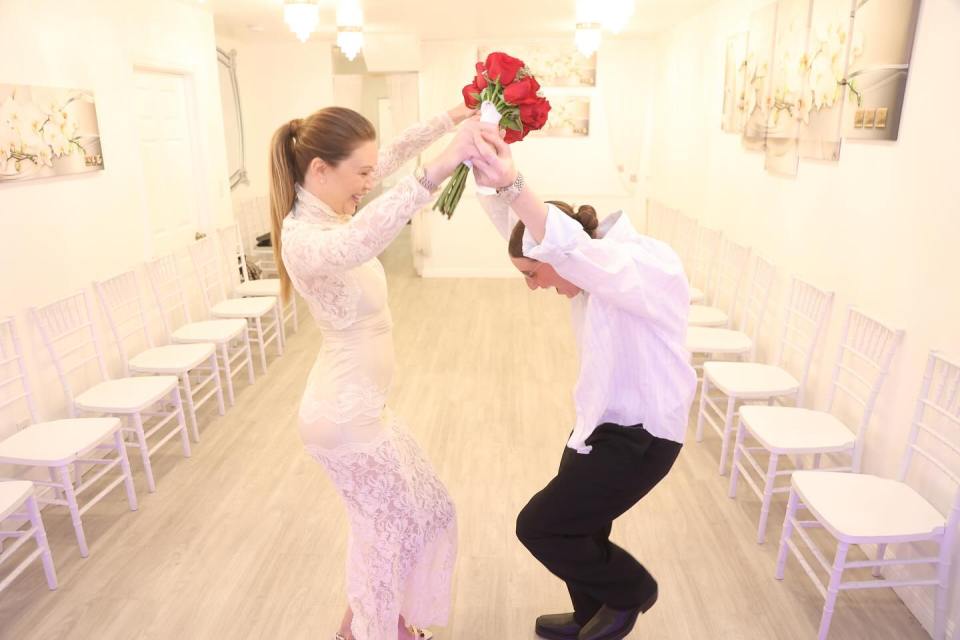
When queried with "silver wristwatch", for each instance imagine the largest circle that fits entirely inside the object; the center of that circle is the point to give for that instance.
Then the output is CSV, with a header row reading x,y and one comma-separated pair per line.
x,y
510,192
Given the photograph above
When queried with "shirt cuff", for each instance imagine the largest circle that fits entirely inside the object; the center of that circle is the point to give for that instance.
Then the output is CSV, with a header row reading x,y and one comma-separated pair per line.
x,y
562,235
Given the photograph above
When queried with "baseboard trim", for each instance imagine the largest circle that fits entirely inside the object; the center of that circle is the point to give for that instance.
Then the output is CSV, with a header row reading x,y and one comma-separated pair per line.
x,y
469,272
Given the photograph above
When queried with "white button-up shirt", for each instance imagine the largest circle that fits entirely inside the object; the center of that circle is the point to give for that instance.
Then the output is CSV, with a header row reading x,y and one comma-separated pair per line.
x,y
630,321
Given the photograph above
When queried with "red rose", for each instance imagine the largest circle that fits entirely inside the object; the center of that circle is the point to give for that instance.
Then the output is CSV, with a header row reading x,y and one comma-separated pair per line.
x,y
522,91
515,136
503,67
534,115
471,95
479,80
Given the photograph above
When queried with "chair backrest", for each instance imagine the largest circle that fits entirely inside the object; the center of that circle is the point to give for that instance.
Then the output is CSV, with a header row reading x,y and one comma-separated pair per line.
x,y
14,384
808,309
661,221
206,263
934,441
866,349
705,259
123,306
167,287
254,220
757,301
66,327
685,240
734,261
234,260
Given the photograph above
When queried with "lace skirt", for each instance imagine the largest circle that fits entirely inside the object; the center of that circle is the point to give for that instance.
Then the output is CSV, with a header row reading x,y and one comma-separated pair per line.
x,y
403,532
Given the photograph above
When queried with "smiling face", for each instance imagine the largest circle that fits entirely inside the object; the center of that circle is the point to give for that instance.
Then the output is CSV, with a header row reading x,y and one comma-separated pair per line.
x,y
540,275
344,185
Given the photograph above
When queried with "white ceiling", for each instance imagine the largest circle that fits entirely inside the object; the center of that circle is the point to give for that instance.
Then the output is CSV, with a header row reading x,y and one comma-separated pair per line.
x,y
257,20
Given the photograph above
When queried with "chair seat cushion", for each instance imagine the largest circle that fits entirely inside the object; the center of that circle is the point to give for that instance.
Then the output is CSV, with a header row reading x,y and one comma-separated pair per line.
x,y
867,508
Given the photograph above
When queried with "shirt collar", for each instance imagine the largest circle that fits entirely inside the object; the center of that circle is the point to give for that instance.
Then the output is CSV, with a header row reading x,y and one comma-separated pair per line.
x,y
313,208
616,226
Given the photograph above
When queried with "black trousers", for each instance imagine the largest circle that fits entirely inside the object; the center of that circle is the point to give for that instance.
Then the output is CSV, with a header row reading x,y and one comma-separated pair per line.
x,y
566,526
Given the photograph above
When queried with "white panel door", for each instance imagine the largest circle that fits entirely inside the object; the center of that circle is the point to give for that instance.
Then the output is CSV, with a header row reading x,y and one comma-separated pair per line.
x,y
169,164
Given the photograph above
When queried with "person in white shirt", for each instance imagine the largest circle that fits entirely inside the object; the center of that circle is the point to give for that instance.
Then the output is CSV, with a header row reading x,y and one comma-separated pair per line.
x,y
630,300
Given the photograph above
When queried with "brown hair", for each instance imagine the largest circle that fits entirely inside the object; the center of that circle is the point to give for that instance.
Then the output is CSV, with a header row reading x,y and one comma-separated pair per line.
x,y
330,134
585,215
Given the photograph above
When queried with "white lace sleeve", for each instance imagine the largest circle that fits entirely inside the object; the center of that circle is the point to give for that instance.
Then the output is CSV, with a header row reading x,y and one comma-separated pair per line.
x,y
411,141
310,249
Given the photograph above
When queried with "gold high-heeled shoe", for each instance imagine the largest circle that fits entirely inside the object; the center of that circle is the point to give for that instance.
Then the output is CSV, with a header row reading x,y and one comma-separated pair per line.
x,y
421,634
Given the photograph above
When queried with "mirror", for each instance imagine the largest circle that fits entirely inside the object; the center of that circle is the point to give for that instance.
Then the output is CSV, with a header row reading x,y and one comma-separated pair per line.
x,y
232,118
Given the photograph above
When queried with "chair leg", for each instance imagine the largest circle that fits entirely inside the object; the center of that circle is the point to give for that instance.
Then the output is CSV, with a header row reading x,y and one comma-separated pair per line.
x,y
263,345
57,492
281,327
41,536
281,335
215,374
727,428
833,589
191,408
249,350
144,451
793,505
943,584
735,465
768,486
181,421
704,392
67,484
881,550
125,469
228,374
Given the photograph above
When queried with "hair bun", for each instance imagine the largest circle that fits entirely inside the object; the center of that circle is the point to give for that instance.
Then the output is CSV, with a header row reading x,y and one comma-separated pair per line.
x,y
295,126
587,216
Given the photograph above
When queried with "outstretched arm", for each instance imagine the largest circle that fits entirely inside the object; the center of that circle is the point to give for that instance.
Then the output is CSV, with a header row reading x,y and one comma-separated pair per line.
x,y
415,139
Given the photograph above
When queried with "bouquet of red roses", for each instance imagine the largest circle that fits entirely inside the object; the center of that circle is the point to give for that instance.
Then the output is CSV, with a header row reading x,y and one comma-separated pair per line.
x,y
506,94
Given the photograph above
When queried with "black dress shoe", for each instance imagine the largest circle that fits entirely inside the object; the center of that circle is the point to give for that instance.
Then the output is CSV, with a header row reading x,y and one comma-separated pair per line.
x,y
614,624
609,624
558,626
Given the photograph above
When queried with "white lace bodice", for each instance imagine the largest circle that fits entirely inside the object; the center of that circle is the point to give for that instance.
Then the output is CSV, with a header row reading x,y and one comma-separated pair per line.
x,y
332,262
330,257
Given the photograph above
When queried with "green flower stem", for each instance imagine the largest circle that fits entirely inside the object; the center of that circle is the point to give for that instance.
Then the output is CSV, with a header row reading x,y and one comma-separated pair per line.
x,y
451,194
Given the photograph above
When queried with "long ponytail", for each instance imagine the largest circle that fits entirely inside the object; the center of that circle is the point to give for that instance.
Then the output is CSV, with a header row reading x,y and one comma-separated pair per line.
x,y
283,179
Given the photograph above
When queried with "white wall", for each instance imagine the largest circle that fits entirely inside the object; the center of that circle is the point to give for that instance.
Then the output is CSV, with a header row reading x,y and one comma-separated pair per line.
x,y
278,82
879,227
62,233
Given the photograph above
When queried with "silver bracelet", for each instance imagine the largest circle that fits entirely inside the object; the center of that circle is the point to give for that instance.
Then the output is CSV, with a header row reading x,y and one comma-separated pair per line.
x,y
421,175
510,192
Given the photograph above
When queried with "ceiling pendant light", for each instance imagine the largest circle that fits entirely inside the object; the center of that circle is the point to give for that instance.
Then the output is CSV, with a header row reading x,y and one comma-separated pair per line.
x,y
302,17
587,38
350,28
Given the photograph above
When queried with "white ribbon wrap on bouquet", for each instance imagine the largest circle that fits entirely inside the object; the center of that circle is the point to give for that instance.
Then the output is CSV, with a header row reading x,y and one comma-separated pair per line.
x,y
488,115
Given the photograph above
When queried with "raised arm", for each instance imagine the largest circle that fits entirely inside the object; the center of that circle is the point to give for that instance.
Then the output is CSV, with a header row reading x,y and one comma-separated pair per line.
x,y
645,278
499,213
415,139
310,249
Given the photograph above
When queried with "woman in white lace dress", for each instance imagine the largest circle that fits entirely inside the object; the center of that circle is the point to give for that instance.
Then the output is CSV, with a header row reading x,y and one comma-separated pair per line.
x,y
402,522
